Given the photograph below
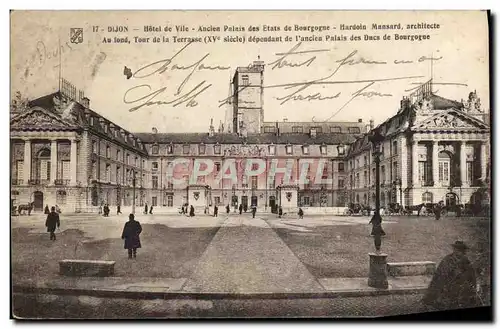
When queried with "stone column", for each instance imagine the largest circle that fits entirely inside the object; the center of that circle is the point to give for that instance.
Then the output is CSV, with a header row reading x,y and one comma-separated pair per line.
x,y
53,161
435,163
378,271
404,168
463,165
484,160
414,162
27,161
73,162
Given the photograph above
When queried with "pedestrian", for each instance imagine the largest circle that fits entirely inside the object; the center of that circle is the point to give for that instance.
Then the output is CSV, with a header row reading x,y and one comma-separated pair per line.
x,y
459,210
245,207
52,222
151,210
254,210
118,210
241,208
46,211
191,211
280,212
437,211
106,210
377,230
146,209
216,210
228,209
301,213
130,234
454,282
100,209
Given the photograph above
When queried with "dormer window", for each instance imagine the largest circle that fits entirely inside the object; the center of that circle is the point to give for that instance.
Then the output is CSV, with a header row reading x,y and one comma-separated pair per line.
x,y
201,148
217,148
154,149
341,149
185,148
323,149
134,142
335,130
91,121
106,128
313,132
170,148
288,149
272,149
305,149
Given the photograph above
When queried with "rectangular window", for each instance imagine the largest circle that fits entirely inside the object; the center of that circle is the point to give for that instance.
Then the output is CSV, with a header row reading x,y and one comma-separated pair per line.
x,y
365,179
305,149
444,172
154,201
135,161
201,149
94,147
322,149
170,149
354,130
108,173
297,129
288,149
118,175
307,201
341,183
365,162
128,158
254,182
20,170
382,174
270,129
154,166
272,183
217,149
272,149
395,148
341,166
244,181
394,170
108,152
244,80
66,174
154,149
118,155
170,200
357,180
154,180
423,172
185,149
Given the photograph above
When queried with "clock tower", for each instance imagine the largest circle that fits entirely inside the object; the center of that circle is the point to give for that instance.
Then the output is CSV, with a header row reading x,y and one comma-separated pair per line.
x,y
248,98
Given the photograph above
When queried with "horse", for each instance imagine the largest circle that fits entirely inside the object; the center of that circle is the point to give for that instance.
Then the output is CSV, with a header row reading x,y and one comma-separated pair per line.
x,y
25,207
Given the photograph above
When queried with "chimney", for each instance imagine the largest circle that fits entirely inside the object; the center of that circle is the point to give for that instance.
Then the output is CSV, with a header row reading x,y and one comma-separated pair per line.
x,y
211,130
85,102
360,120
277,129
155,131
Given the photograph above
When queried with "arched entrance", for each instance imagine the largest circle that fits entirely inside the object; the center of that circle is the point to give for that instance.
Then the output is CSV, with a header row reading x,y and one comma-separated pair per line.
x,y
451,199
38,201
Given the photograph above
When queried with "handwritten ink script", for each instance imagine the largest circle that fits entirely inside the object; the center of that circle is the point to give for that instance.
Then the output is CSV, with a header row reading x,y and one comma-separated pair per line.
x,y
180,97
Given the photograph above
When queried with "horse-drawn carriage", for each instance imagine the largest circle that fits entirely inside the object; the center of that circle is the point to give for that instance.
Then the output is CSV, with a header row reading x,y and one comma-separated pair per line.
x,y
394,209
23,209
358,209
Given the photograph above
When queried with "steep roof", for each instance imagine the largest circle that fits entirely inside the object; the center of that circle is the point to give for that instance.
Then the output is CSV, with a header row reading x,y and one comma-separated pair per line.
x,y
265,138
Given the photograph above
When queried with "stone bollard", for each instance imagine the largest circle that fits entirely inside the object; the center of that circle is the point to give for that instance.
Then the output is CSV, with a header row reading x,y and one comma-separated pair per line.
x,y
378,271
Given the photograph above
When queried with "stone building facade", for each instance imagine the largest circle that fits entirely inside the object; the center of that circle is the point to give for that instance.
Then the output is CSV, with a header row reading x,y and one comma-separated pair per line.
x,y
435,149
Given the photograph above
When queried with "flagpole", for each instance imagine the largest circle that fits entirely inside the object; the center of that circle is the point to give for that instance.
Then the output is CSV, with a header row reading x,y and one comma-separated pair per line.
x,y
60,65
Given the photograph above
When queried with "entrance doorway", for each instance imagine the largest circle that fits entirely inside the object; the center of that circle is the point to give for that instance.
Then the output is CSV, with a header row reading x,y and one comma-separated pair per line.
x,y
244,201
451,200
38,201
272,202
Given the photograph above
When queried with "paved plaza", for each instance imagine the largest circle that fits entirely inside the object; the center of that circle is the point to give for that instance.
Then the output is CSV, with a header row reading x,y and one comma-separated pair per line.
x,y
238,254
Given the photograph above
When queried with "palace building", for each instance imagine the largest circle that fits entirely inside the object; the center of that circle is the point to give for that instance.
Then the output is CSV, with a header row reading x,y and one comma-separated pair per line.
x,y
65,153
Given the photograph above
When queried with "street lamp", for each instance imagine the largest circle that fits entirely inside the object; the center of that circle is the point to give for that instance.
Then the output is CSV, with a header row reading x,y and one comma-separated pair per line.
x,y
378,262
133,191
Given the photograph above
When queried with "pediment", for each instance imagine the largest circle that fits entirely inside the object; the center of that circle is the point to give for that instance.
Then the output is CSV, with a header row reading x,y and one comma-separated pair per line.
x,y
451,120
40,119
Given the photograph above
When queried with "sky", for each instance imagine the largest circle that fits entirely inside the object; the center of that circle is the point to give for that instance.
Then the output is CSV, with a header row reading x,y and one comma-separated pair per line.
x,y
459,47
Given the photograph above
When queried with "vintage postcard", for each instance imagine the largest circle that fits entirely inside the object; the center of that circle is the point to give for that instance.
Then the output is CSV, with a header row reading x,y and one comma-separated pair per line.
x,y
249,164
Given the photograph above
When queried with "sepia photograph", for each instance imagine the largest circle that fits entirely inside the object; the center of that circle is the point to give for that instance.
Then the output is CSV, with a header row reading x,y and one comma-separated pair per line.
x,y
249,164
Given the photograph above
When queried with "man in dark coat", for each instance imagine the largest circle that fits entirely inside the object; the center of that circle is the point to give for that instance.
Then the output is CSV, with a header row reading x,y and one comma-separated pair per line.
x,y
146,209
280,212
216,210
131,232
46,210
191,211
254,211
437,211
241,208
454,283
52,222
118,210
227,209
301,213
151,210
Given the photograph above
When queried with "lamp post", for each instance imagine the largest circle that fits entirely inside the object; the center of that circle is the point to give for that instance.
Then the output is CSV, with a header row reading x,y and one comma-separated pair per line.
x,y
378,262
397,183
133,191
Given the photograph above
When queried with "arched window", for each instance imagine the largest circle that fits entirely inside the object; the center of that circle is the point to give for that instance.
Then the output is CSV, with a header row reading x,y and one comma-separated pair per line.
x,y
444,161
61,197
427,197
357,198
365,199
